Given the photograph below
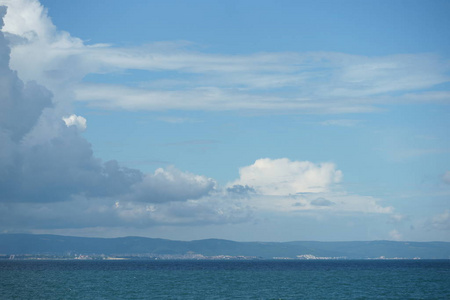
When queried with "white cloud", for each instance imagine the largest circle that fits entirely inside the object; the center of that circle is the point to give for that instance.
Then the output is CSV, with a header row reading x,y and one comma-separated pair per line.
x,y
171,185
77,121
316,82
285,186
87,212
283,176
28,19
339,203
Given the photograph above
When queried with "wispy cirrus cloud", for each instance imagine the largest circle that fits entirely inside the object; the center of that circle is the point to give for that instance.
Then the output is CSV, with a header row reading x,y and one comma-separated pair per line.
x,y
314,82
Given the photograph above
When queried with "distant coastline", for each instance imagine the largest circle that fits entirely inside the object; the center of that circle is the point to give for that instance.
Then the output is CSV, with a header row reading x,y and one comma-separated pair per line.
x,y
167,257
31,246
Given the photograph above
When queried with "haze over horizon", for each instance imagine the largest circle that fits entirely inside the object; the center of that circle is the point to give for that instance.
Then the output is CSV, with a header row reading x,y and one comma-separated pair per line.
x,y
239,120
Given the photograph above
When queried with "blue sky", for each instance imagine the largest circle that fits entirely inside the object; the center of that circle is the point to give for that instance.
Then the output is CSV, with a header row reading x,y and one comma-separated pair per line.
x,y
244,120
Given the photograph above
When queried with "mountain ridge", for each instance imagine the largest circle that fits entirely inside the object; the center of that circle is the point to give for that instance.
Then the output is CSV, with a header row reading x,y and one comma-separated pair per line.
x,y
35,244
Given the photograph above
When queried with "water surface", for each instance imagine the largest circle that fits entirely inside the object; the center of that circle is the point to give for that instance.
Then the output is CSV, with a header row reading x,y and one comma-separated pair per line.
x,y
271,279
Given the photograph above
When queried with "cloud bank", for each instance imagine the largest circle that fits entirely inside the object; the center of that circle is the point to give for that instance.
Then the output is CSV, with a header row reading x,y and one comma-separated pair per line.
x,y
50,177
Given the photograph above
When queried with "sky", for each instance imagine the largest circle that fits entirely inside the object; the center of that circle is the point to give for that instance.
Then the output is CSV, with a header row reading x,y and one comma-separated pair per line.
x,y
241,120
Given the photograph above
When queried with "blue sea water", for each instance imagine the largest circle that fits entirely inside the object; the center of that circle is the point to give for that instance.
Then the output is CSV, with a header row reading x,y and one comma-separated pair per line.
x,y
265,279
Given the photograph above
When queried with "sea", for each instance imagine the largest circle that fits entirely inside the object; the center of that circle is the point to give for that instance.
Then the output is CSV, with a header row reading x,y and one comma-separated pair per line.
x,y
225,279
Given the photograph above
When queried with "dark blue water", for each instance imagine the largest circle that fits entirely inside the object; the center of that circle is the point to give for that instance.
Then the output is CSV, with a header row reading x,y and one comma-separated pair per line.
x,y
347,279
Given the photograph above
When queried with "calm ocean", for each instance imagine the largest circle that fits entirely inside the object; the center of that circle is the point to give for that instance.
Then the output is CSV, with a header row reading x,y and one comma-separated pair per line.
x,y
344,279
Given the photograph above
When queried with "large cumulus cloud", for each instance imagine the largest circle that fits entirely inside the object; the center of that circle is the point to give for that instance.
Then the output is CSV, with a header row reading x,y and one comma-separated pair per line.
x,y
171,185
286,186
50,178
283,176
43,165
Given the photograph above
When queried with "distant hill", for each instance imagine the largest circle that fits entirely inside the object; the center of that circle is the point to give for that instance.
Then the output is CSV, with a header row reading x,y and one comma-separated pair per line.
x,y
18,244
